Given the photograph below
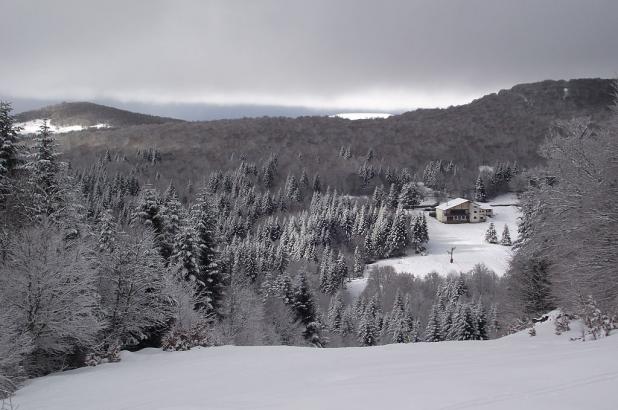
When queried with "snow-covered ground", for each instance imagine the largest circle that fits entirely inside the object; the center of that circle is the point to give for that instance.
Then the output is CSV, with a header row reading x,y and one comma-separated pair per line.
x,y
515,372
362,115
33,127
468,241
355,287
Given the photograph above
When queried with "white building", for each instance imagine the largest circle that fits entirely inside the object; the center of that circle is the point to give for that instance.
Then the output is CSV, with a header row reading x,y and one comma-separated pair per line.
x,y
460,210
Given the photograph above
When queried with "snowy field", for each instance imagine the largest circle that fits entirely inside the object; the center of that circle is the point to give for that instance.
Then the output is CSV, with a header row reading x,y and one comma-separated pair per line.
x,y
362,115
33,127
469,243
515,372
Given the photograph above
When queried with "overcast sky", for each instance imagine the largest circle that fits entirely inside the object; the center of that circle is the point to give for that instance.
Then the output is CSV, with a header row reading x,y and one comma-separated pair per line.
x,y
325,54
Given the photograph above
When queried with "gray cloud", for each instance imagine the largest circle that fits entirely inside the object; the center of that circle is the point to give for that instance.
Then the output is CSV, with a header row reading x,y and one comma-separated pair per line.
x,y
387,55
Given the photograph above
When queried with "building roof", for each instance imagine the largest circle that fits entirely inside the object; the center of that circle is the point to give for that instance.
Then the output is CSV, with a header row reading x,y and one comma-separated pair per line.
x,y
452,203
485,206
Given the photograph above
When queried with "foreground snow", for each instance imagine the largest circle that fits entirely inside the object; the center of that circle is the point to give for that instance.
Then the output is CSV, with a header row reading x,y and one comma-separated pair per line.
x,y
33,127
469,243
515,372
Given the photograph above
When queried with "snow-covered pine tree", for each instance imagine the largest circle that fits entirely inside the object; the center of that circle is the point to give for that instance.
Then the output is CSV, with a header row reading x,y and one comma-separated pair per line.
x,y
480,194
359,263
409,197
379,234
360,305
378,195
464,326
423,231
393,197
348,322
148,212
306,312
183,257
414,325
207,254
491,236
398,239
398,326
368,333
292,189
433,331
44,170
339,273
304,179
335,313
506,237
173,221
448,317
419,235
347,153
108,230
598,324
481,325
326,268
9,148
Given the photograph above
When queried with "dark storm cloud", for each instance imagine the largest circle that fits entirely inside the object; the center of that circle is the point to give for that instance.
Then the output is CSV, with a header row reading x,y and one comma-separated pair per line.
x,y
384,55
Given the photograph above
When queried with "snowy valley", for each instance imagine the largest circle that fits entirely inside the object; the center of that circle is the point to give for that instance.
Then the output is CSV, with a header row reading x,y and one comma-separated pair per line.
x,y
469,243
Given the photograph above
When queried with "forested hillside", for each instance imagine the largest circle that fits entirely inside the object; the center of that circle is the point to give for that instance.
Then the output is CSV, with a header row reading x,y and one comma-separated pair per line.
x,y
505,127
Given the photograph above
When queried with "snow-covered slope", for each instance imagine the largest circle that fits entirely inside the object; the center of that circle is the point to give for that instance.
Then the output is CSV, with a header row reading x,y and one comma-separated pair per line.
x,y
33,127
515,372
362,115
469,243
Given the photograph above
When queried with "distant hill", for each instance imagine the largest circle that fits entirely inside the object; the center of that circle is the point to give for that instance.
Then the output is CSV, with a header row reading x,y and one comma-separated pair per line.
x,y
88,114
506,126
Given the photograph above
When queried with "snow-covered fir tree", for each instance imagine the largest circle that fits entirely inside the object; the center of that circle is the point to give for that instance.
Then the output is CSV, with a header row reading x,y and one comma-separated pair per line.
x,y
108,231
335,313
419,234
433,332
305,310
368,333
409,196
506,237
9,147
480,194
183,257
207,254
398,238
359,263
491,236
44,168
